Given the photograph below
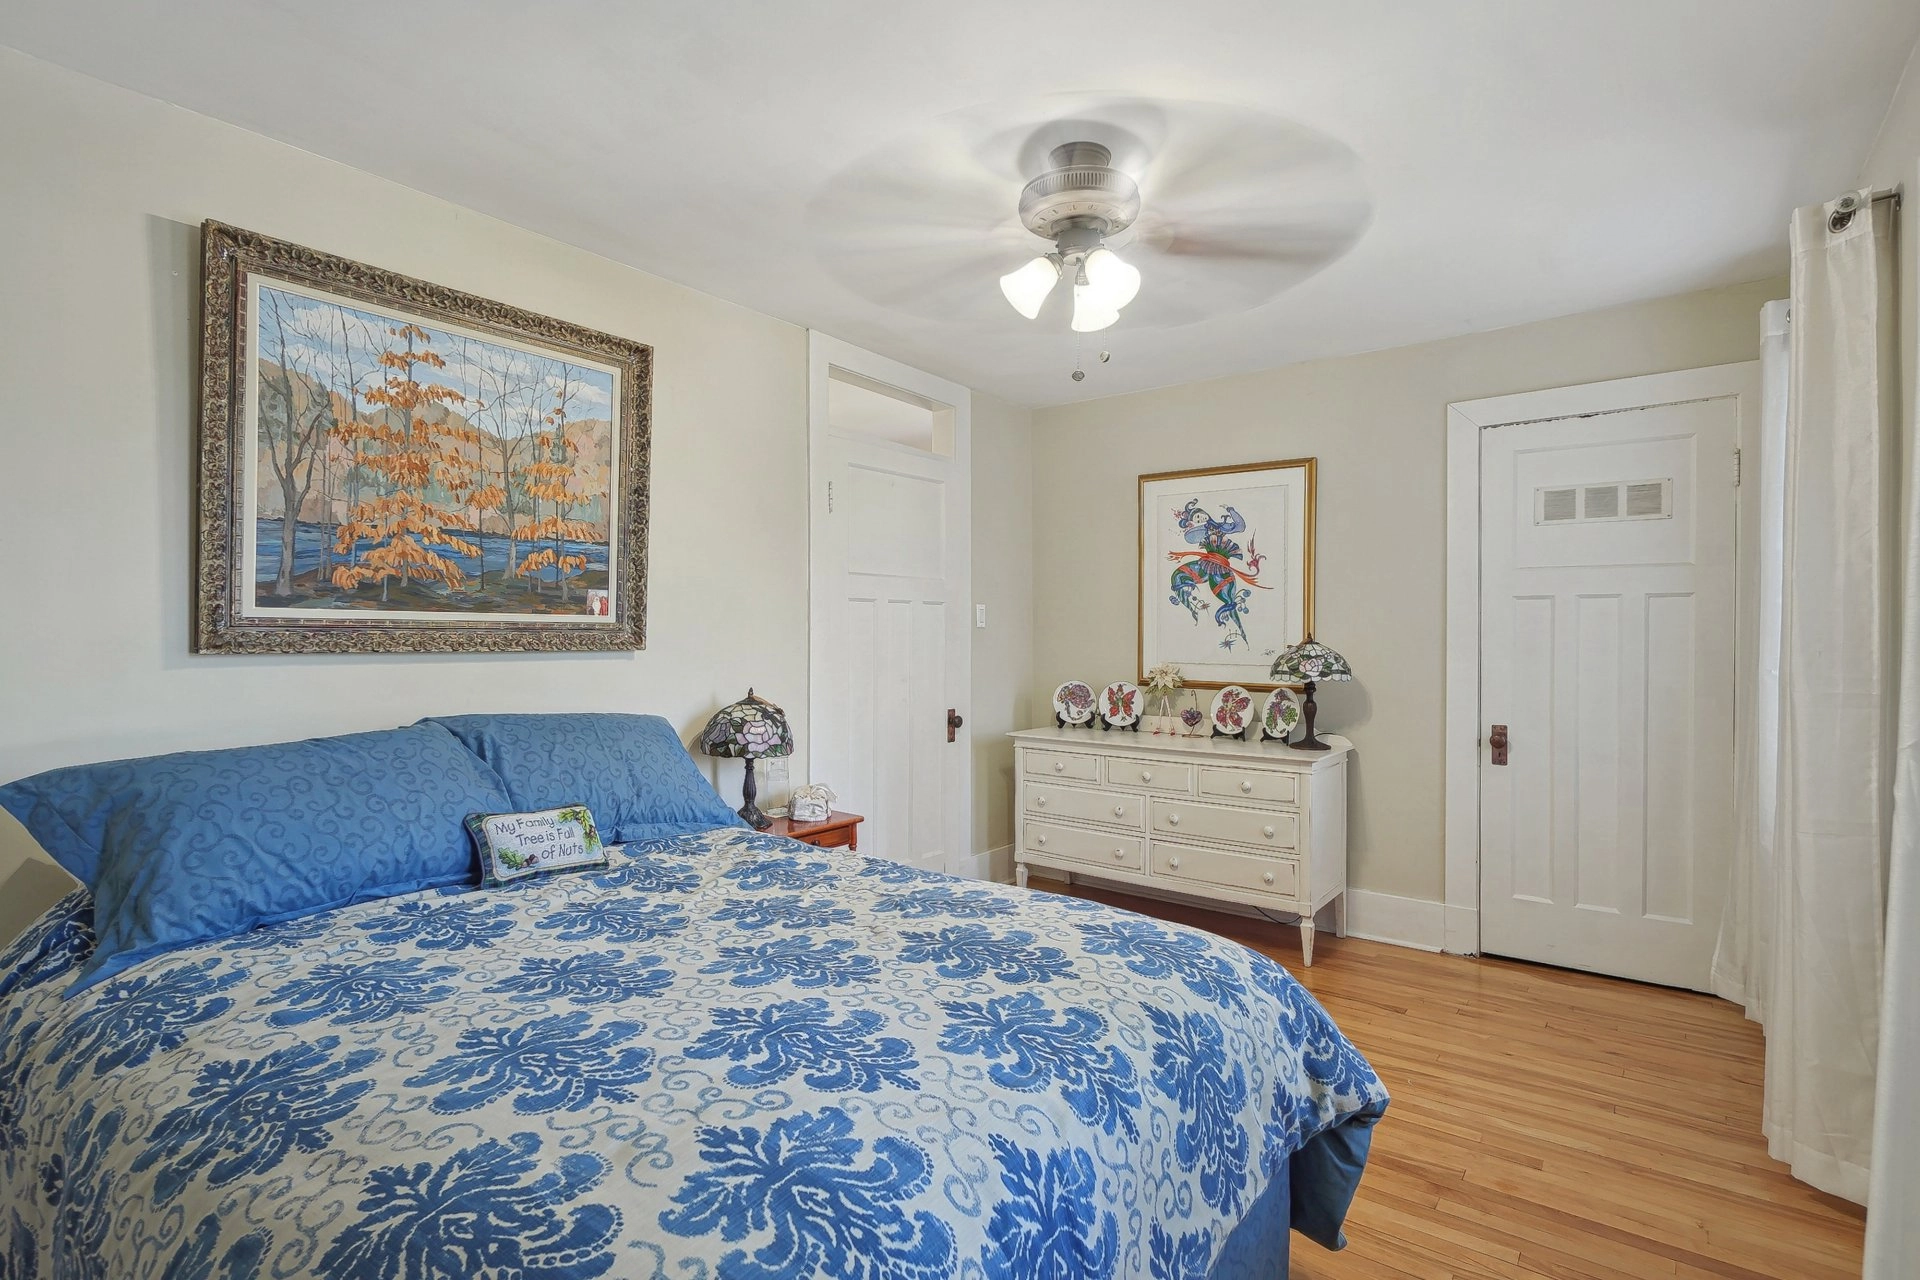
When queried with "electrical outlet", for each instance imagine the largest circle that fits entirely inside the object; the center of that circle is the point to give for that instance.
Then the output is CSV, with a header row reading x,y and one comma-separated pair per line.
x,y
980,616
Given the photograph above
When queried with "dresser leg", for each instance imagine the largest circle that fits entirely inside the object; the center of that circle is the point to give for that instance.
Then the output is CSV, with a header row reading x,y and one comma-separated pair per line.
x,y
1020,874
1340,916
1306,941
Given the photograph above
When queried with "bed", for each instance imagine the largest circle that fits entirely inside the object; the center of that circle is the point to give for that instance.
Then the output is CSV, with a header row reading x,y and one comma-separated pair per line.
x,y
725,1055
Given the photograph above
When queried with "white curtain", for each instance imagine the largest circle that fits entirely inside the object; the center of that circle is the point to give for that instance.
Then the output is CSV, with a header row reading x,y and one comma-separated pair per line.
x,y
1893,1202
1802,947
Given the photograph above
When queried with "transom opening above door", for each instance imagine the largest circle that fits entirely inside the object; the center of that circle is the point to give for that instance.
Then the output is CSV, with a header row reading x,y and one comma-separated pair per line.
x,y
861,406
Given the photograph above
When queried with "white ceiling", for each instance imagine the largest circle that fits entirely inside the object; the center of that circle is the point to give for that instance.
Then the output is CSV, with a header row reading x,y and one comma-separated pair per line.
x,y
1522,159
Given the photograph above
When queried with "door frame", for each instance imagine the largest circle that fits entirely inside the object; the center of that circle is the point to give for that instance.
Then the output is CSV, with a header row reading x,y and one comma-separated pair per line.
x,y
1466,419
954,420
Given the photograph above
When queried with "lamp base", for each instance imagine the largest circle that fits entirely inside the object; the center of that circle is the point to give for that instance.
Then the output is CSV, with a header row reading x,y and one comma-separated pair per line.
x,y
750,812
1308,742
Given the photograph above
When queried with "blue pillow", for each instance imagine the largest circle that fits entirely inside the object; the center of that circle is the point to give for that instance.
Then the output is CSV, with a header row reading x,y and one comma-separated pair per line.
x,y
205,844
632,771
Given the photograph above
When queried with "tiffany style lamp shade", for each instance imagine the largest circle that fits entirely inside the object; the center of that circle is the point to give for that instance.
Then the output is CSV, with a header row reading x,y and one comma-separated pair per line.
x,y
1309,663
750,729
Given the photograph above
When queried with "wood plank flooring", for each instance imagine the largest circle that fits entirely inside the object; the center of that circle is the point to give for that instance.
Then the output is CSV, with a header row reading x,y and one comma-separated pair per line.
x,y
1550,1124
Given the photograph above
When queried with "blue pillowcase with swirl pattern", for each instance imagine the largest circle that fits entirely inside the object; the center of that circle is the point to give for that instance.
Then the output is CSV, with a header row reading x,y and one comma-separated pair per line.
x,y
631,770
205,844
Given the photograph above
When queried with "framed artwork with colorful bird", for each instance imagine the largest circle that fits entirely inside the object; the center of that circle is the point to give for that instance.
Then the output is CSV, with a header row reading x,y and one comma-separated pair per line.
x,y
1226,569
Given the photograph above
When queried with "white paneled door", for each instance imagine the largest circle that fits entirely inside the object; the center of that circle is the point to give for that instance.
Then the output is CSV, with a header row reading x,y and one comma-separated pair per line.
x,y
891,598
1607,691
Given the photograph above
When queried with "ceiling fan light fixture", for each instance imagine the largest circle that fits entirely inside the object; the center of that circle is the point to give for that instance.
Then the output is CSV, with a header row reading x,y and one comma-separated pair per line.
x,y
1111,281
1090,314
1027,288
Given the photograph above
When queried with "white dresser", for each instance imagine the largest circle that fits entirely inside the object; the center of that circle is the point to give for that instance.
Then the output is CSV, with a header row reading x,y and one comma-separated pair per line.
x,y
1255,823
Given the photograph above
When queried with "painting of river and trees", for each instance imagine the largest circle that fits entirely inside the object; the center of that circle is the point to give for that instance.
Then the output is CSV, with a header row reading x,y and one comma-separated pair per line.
x,y
425,475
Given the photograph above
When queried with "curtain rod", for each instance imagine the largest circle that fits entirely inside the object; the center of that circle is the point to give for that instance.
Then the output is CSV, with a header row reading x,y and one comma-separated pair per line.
x,y
1845,206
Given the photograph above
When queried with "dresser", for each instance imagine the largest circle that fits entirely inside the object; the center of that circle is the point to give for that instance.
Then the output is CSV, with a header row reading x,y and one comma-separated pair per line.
x,y
1253,823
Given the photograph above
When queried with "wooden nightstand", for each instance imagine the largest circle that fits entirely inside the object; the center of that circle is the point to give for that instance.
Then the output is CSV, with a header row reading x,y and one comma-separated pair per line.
x,y
839,831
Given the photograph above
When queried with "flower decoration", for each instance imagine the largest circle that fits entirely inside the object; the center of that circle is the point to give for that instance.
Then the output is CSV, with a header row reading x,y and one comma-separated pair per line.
x,y
1164,679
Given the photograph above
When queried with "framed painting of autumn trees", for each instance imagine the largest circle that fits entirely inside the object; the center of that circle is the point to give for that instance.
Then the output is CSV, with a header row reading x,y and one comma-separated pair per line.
x,y
391,466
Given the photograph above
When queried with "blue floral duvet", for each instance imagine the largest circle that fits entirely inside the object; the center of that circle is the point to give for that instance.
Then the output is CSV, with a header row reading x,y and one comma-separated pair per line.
x,y
728,1056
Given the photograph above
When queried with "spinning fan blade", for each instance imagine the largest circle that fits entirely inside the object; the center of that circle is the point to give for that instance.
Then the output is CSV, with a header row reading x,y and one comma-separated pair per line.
x,y
1238,206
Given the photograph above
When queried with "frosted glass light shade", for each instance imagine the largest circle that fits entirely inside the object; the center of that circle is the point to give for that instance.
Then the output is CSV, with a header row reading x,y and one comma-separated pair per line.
x,y
1112,281
1088,314
1027,288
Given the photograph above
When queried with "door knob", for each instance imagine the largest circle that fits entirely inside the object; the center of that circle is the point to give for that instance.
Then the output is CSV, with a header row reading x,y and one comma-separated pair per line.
x,y
953,723
1497,740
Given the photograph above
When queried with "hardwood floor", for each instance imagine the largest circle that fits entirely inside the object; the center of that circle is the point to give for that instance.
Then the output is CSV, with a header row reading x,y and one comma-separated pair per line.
x,y
1550,1124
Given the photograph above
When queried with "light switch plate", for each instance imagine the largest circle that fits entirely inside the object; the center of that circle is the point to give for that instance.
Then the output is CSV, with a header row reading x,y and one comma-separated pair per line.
x,y
980,616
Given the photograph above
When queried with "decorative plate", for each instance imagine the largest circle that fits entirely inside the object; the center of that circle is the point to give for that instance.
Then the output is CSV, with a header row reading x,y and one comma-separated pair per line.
x,y
1232,708
1073,702
1279,714
1120,704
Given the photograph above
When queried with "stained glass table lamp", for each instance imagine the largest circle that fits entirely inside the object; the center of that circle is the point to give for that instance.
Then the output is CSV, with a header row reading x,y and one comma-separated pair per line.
x,y
750,729
1309,663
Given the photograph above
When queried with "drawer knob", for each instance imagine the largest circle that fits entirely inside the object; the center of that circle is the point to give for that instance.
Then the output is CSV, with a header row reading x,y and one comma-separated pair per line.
x,y
1173,819
1246,784
1119,853
1267,832
1119,811
1173,864
1146,775
1268,877
1059,766
1039,839
1040,802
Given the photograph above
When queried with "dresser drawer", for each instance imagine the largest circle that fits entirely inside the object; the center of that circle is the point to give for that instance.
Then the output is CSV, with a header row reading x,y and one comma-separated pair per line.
x,y
1060,764
1108,807
1249,784
1277,876
1095,848
1212,822
1151,775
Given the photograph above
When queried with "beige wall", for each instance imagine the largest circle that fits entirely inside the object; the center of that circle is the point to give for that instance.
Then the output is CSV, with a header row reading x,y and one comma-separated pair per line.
x,y
103,197
1377,423
99,217
1003,582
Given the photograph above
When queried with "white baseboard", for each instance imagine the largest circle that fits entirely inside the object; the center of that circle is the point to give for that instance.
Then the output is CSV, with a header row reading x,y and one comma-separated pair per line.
x,y
1404,922
1377,917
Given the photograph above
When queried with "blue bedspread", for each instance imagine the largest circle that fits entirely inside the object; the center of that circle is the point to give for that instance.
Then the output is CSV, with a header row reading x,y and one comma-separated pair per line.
x,y
730,1056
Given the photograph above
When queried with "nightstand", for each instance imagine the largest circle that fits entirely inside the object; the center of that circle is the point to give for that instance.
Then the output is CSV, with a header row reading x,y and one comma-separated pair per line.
x,y
840,830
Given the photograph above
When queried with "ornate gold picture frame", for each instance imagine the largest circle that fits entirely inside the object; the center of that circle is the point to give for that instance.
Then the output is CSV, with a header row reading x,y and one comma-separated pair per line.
x,y
389,466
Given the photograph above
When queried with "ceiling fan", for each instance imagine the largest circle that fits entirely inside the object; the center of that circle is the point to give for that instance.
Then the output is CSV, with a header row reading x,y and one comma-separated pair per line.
x,y
1175,211
1077,204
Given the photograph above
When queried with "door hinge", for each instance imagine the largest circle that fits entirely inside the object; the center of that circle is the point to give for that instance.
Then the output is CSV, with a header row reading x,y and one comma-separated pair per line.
x,y
1736,468
829,497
